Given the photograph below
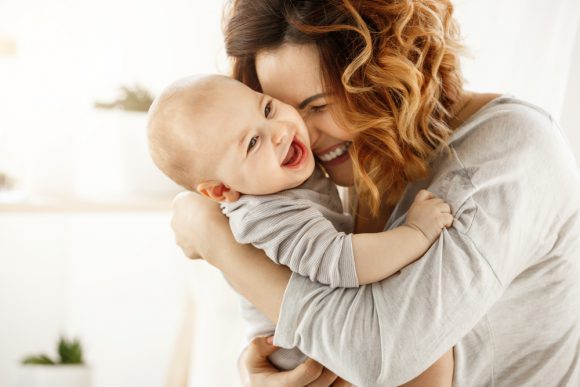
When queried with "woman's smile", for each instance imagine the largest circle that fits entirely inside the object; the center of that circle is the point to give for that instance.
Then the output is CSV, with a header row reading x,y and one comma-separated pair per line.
x,y
335,154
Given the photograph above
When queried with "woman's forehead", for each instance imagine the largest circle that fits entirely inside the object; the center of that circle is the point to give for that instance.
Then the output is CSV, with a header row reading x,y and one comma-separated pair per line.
x,y
290,73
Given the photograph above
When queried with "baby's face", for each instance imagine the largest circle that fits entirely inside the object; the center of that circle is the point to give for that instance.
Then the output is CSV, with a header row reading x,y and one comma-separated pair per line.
x,y
257,144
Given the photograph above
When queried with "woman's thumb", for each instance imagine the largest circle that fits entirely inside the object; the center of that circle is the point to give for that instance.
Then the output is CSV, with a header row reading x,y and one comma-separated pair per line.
x,y
261,347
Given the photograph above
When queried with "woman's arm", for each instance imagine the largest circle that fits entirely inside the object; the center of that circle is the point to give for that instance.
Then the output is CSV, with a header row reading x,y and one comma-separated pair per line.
x,y
202,231
510,208
256,370
440,374
394,330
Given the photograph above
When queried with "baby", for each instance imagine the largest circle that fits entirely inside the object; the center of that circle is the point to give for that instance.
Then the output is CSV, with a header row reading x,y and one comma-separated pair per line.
x,y
251,153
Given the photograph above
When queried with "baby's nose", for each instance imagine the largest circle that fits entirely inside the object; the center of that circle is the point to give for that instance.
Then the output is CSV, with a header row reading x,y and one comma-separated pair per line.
x,y
281,132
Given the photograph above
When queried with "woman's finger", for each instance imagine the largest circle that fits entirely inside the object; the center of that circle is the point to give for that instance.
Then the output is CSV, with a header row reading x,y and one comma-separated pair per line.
x,y
325,379
302,375
341,383
444,207
259,349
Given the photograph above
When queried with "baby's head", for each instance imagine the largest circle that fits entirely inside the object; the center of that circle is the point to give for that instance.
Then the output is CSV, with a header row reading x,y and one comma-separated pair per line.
x,y
216,136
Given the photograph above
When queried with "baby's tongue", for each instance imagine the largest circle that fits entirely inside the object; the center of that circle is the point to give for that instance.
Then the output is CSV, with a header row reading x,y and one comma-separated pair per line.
x,y
289,155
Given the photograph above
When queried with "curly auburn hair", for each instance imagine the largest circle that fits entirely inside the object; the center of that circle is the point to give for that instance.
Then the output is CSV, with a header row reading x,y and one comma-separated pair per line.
x,y
391,65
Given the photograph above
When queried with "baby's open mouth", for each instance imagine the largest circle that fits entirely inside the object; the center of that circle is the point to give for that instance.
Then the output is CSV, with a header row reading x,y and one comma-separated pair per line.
x,y
296,154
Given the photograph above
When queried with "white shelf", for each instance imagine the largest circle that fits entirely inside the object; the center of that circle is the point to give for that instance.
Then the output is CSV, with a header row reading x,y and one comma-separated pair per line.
x,y
78,204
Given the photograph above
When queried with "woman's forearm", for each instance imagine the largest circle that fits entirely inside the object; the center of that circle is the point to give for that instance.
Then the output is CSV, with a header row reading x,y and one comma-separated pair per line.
x,y
251,273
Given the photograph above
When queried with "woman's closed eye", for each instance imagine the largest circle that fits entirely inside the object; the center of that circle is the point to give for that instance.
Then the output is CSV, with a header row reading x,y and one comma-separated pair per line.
x,y
318,108
268,109
252,143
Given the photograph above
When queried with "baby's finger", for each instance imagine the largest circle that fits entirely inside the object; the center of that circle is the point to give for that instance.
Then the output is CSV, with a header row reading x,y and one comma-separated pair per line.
x,y
423,195
444,208
435,200
448,220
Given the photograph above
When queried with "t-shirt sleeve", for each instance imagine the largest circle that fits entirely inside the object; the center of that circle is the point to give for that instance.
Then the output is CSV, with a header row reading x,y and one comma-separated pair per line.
x,y
295,234
504,199
257,324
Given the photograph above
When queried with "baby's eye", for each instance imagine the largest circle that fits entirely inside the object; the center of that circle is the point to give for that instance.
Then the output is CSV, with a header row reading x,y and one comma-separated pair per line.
x,y
268,109
252,143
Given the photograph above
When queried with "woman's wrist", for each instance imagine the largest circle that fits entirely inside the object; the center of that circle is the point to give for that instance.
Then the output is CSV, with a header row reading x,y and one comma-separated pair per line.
x,y
218,242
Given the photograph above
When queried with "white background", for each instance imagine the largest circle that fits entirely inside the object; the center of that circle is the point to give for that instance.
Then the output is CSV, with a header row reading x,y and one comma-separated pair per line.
x,y
113,277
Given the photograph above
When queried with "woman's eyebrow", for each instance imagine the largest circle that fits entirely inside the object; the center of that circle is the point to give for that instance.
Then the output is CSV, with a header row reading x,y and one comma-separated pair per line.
x,y
305,103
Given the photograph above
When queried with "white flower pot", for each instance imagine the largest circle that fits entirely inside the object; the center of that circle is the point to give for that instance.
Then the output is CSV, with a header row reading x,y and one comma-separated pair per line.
x,y
54,376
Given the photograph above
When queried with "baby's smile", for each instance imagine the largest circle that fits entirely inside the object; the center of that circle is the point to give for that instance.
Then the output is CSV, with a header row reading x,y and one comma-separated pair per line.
x,y
296,154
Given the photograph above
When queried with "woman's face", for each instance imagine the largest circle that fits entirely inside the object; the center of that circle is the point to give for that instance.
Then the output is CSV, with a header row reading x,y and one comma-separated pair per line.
x,y
291,73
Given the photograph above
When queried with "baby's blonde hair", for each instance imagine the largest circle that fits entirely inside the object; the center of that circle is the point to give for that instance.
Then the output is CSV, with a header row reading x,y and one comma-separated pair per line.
x,y
168,139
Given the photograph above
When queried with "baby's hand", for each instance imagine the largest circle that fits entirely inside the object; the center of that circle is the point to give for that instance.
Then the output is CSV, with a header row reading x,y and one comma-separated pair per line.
x,y
429,215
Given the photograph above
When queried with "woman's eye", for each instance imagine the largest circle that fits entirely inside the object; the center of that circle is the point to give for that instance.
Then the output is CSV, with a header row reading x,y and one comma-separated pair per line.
x,y
268,109
252,143
318,108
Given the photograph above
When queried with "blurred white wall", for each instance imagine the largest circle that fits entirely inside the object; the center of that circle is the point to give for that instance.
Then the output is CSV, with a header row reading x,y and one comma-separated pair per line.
x,y
116,278
527,48
73,52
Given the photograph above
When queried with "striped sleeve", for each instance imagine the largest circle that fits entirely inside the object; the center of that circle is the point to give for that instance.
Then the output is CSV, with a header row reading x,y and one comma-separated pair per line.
x,y
292,232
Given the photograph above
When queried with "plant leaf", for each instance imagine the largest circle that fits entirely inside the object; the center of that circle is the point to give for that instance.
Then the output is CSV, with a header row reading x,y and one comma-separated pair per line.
x,y
39,359
70,351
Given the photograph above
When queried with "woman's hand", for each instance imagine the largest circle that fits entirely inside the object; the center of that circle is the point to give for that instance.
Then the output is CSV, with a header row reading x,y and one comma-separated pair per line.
x,y
197,222
257,371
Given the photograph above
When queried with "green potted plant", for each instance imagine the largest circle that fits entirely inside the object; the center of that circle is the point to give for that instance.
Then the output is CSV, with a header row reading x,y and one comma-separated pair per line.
x,y
68,369
131,98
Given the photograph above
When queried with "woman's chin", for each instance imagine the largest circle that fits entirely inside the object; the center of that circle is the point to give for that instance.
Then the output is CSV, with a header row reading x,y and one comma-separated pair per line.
x,y
341,174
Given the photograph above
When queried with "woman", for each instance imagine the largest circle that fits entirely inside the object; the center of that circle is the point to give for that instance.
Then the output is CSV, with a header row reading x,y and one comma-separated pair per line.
x,y
500,287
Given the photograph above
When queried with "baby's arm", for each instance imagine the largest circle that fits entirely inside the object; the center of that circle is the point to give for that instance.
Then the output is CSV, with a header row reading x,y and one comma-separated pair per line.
x,y
294,232
380,255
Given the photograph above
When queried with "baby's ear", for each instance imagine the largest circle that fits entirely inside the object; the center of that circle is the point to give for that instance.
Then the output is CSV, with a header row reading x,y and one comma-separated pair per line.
x,y
217,191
